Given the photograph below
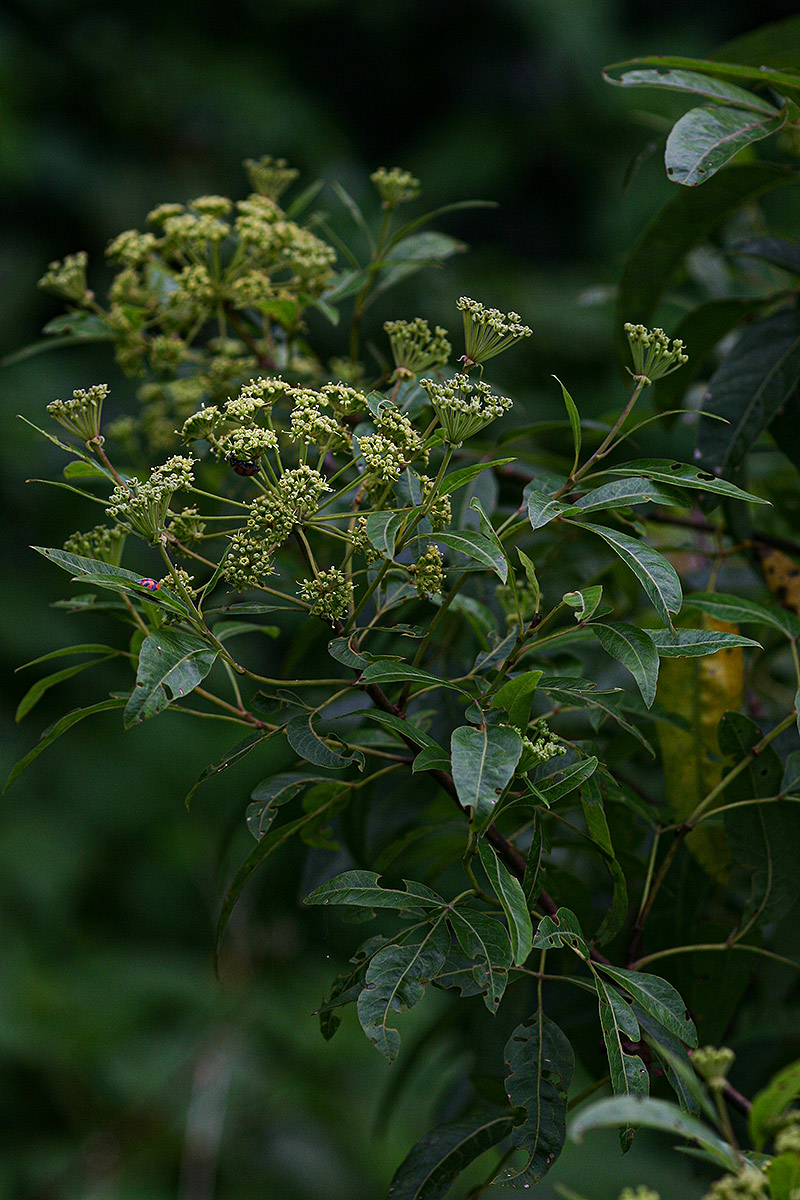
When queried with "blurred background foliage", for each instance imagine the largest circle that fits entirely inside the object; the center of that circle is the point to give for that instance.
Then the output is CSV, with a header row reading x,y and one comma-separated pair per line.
x,y
126,1069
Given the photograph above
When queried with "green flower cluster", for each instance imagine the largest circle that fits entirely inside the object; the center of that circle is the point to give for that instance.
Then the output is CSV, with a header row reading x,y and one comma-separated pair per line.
x,y
713,1064
395,186
415,348
749,1184
464,408
538,747
653,354
638,1193
81,415
104,542
388,452
330,594
143,505
487,331
427,572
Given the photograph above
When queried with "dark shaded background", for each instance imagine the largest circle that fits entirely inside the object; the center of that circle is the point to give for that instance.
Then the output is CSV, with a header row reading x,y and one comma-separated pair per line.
x,y
126,1070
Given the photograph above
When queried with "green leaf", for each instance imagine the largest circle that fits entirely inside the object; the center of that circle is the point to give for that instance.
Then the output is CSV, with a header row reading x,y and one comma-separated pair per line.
x,y
543,509
484,761
456,479
694,643
341,650
105,575
382,530
435,1162
635,1112
171,664
540,1065
552,789
692,82
622,493
239,751
431,758
784,1176
738,610
397,672
307,743
361,888
763,837
681,224
35,693
487,945
704,139
404,727
562,929
676,1063
758,74
475,545
771,1103
516,697
273,792
658,998
575,426
585,602
530,574
657,576
508,891
628,1073
396,980
55,731
677,474
64,651
87,470
774,45
756,379
635,650
778,251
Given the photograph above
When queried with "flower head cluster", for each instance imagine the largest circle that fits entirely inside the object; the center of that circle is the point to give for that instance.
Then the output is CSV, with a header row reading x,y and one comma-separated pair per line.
x,y
270,176
212,206
311,426
300,491
388,452
538,747
415,348
131,247
361,543
346,400
104,543
749,1184
787,1139
487,331
653,354
329,594
395,186
201,424
464,408
67,279
248,442
248,560
81,415
187,526
713,1064
440,509
143,506
427,572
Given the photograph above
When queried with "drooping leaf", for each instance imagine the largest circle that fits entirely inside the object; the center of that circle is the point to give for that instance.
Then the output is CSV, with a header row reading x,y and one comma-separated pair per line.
x,y
484,761
562,929
475,545
239,751
737,69
55,731
756,379
396,980
486,944
585,602
695,643
434,1163
551,789
457,479
628,1073
771,1103
692,82
704,139
307,743
92,570
635,650
665,470
38,689
508,891
398,672
657,576
540,1064
271,793
361,888
658,998
341,650
171,664
543,509
663,1115
622,493
738,610
674,1058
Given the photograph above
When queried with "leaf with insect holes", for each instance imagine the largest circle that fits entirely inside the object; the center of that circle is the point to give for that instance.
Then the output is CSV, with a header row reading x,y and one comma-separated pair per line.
x,y
171,664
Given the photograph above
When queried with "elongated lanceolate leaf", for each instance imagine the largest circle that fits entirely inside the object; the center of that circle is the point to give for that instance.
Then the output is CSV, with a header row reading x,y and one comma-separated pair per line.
x,y
171,664
542,509
475,545
657,576
741,611
396,980
240,751
677,1065
706,138
635,650
91,570
484,761
271,793
397,672
306,742
487,945
628,1073
564,780
508,891
693,82
657,997
456,479
738,69
574,421
695,643
362,889
756,379
55,731
35,693
434,1163
623,1111
540,1064
622,493
682,475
